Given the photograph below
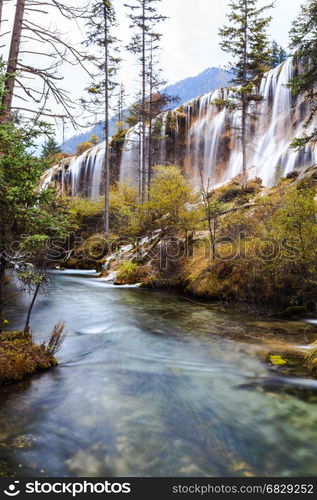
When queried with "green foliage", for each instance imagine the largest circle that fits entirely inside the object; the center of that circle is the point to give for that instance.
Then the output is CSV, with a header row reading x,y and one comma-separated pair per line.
x,y
168,207
127,273
100,26
277,54
28,216
297,219
119,136
304,44
265,255
123,205
246,40
80,210
83,213
24,209
30,278
80,207
50,149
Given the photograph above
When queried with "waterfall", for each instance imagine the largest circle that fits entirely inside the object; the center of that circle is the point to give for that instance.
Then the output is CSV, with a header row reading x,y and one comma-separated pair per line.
x,y
162,144
85,172
131,155
213,145
203,139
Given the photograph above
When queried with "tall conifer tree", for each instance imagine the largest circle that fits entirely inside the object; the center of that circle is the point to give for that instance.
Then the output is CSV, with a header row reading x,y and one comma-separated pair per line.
x,y
304,43
245,39
144,17
100,35
278,54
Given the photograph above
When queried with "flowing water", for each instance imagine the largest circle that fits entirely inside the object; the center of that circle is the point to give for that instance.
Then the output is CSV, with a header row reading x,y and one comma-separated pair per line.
x,y
203,139
153,384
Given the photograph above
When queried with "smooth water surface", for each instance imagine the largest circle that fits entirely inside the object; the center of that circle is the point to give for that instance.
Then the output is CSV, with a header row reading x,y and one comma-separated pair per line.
x,y
151,384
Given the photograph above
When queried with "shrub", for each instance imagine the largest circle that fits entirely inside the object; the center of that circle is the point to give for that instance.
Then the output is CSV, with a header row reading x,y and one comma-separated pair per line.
x,y
170,197
127,273
83,213
271,258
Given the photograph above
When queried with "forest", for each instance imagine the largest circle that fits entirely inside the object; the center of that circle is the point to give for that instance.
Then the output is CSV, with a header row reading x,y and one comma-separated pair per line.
x,y
185,230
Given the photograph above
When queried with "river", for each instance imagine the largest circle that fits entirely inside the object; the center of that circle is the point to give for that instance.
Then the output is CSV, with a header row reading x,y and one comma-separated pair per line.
x,y
153,384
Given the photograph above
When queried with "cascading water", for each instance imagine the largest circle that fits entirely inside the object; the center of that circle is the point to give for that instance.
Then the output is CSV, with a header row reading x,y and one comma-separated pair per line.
x,y
213,145
204,140
85,172
131,154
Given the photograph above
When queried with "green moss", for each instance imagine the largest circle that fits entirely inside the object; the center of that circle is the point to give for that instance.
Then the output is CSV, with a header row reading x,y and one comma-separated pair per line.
x,y
119,137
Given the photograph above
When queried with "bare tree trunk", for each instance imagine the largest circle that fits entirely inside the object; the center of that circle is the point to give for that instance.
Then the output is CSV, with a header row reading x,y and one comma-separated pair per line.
x,y
13,59
1,12
143,157
244,143
106,128
28,317
211,218
150,149
244,102
2,276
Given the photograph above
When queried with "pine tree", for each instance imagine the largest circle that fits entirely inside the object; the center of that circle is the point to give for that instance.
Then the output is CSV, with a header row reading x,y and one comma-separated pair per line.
x,y
100,28
144,17
245,39
50,148
278,54
121,103
304,44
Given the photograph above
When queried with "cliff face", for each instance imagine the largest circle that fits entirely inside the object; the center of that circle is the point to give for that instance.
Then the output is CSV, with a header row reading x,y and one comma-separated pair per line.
x,y
204,140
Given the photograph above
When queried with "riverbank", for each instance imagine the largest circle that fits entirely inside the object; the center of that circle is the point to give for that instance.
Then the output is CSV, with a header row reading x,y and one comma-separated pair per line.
x,y
21,357
251,247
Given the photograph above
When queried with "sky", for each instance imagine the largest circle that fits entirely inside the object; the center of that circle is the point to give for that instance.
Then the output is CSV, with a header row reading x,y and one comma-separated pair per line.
x,y
190,41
